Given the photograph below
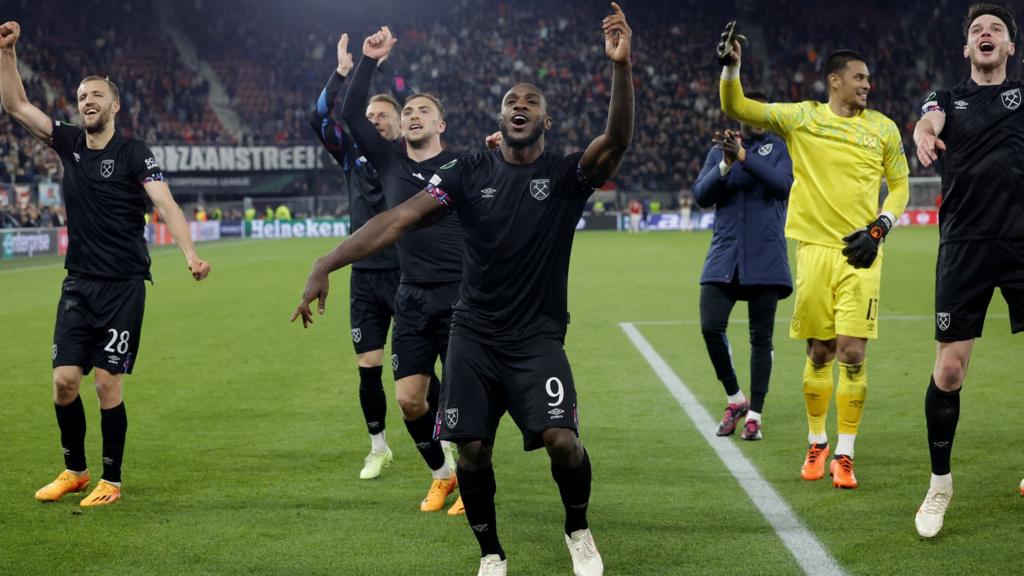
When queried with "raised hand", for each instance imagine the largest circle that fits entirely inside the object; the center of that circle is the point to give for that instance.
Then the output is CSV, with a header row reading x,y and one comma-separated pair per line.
x,y
9,33
728,50
378,45
344,57
617,35
493,141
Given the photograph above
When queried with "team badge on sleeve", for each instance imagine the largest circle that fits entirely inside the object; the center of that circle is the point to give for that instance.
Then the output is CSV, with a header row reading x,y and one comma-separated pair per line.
x,y
765,149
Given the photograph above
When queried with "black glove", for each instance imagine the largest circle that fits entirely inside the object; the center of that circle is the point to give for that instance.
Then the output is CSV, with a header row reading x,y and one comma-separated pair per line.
x,y
862,245
725,45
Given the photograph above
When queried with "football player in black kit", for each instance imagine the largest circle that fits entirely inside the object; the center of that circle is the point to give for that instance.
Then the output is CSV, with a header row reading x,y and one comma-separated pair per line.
x,y
431,259
107,178
374,280
519,207
976,132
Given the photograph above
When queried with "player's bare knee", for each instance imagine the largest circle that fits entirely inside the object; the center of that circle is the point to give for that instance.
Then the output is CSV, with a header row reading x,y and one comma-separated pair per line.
x,y
852,357
474,455
821,352
563,446
65,386
412,406
949,374
108,388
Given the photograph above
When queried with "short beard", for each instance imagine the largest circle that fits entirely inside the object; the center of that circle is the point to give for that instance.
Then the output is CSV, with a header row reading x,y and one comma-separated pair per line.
x,y
100,126
520,143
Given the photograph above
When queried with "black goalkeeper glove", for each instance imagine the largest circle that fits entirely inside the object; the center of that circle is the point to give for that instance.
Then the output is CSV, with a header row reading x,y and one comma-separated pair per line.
x,y
862,245
725,45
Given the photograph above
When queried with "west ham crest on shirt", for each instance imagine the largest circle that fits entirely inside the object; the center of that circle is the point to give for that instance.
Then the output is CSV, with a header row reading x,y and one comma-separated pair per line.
x,y
1011,99
765,149
540,189
106,168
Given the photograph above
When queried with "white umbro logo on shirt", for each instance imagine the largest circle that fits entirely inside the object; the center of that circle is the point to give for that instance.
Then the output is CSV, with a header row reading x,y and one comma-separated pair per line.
x,y
961,105
487,193
77,157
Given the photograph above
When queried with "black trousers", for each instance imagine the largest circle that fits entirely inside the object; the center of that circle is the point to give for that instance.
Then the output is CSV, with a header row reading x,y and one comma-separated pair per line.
x,y
716,304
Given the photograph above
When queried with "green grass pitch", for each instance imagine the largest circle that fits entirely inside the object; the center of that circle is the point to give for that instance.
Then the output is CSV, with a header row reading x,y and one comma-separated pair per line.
x,y
245,435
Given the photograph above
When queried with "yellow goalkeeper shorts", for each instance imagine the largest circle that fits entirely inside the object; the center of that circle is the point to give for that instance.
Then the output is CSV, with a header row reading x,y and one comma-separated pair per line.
x,y
833,297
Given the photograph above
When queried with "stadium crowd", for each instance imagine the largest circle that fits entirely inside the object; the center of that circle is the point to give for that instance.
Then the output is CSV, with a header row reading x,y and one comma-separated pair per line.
x,y
273,61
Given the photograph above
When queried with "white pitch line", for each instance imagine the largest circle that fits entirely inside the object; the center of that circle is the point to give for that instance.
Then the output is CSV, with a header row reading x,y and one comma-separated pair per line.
x,y
786,321
805,547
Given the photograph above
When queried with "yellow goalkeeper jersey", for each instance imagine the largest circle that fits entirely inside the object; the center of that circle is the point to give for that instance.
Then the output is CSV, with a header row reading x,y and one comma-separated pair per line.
x,y
838,163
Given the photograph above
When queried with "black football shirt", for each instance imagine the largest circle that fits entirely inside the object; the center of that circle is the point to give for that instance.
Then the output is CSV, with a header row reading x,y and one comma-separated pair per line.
x,y
983,166
106,203
519,222
427,255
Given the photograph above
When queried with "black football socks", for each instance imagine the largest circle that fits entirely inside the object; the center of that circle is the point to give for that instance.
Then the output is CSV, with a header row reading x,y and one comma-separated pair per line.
x,y
71,420
114,423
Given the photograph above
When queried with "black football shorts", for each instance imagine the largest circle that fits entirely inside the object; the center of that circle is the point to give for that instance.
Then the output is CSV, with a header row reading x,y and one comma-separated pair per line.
x,y
423,316
371,306
532,381
99,324
967,275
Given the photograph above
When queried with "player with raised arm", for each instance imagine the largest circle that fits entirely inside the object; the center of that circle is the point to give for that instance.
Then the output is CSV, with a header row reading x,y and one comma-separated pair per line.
x,y
431,259
840,151
107,179
976,130
373,281
519,206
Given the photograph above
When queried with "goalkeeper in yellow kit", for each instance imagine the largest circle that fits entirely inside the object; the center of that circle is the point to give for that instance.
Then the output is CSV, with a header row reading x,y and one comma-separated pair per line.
x,y
840,151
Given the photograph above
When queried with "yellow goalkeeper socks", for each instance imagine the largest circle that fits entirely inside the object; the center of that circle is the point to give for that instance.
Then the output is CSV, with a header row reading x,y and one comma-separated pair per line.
x,y
817,396
850,396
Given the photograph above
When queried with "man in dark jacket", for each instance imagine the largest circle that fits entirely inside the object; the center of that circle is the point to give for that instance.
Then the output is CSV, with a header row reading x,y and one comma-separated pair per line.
x,y
746,177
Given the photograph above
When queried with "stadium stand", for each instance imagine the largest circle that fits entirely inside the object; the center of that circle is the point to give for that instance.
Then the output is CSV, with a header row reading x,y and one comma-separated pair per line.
x,y
272,61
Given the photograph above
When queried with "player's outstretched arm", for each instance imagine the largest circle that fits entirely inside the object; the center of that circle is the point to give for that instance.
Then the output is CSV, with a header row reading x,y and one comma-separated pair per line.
x,y
12,91
735,104
327,130
379,232
602,158
926,137
353,108
160,194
